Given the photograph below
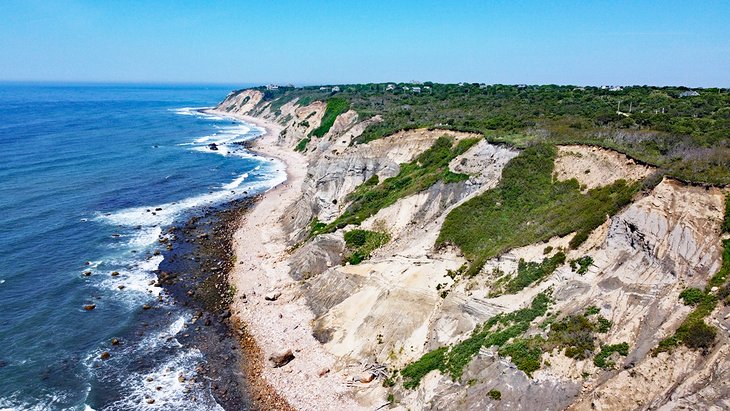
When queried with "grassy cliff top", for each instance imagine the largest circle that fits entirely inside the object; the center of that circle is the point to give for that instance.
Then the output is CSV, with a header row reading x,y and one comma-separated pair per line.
x,y
685,132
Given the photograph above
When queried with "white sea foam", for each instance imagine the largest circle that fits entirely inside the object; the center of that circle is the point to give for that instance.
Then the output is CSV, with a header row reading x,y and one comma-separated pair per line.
x,y
235,183
175,393
150,216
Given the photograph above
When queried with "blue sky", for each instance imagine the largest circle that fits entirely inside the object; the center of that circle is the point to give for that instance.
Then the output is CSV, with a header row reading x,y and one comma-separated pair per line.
x,y
314,42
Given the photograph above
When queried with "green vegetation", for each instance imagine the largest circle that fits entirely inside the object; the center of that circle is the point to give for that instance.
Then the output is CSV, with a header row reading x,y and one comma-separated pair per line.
x,y
335,107
427,169
496,331
575,334
685,136
581,265
601,360
692,296
726,223
529,206
302,145
526,353
495,394
528,273
592,310
694,332
362,243
603,325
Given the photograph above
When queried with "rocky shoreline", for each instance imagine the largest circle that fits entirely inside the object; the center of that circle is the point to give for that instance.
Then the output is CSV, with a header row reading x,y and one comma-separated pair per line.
x,y
195,274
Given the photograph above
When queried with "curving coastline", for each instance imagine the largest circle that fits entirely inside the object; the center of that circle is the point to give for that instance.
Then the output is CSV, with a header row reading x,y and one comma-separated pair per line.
x,y
266,327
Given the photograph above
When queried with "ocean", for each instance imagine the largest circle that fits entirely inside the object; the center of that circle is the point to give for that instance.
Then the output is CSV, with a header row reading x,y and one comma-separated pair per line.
x,y
91,177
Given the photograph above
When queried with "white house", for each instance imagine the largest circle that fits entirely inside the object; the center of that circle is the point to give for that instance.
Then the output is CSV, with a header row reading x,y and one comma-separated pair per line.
x,y
335,89
272,87
390,87
416,90
689,93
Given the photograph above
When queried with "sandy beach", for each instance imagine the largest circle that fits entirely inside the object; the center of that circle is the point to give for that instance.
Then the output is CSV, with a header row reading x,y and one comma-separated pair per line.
x,y
284,324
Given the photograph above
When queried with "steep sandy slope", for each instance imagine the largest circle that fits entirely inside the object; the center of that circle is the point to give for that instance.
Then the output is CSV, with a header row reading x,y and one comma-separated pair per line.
x,y
391,309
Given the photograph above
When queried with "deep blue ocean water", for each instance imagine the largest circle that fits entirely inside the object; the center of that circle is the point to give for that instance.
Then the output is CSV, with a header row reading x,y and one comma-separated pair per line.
x,y
83,169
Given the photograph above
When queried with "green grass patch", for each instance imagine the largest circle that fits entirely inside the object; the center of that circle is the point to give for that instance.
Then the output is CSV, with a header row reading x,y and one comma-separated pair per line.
x,y
526,353
302,145
575,334
362,243
335,107
601,360
726,223
498,330
580,265
427,169
495,394
528,273
529,206
692,296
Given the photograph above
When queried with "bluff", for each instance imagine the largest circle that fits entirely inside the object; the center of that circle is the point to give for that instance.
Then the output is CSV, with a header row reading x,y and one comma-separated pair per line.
x,y
429,260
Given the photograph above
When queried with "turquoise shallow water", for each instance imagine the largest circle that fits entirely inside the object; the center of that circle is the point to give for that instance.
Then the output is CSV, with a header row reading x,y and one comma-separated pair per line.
x,y
83,170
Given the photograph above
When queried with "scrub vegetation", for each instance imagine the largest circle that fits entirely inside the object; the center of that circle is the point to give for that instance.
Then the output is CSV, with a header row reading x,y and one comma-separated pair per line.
x,y
426,170
529,206
687,136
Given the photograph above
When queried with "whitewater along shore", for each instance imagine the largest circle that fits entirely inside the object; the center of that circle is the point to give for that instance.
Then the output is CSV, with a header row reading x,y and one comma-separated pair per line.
x,y
194,275
266,303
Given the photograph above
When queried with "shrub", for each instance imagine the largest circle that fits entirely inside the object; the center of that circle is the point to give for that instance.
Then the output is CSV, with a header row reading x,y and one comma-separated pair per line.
x,y
700,336
335,107
581,265
528,273
495,394
362,243
601,360
692,296
529,206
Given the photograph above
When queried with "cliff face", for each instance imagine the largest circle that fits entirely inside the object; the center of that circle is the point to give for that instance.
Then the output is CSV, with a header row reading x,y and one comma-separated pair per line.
x,y
400,303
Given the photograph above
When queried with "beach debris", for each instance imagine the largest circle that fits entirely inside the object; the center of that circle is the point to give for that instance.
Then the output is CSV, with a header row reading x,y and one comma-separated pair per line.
x,y
272,296
89,307
281,359
324,371
105,355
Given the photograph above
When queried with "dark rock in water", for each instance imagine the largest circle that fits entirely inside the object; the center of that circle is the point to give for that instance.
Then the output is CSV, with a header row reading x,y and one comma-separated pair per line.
x,y
146,307
105,355
87,273
115,341
89,307
225,314
281,359
213,146
115,273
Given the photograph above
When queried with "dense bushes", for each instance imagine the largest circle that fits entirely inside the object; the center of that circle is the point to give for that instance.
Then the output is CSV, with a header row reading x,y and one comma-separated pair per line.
x,y
496,331
687,136
363,242
529,206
